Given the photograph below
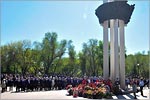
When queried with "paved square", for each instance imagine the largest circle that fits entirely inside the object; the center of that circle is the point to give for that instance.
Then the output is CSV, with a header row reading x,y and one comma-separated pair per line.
x,y
62,94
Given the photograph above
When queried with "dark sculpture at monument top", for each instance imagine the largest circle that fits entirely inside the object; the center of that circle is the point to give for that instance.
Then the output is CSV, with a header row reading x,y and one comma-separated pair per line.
x,y
115,10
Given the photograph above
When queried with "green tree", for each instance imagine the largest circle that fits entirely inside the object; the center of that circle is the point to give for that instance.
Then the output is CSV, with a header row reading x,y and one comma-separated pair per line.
x,y
137,64
9,57
36,63
72,58
51,50
91,58
24,56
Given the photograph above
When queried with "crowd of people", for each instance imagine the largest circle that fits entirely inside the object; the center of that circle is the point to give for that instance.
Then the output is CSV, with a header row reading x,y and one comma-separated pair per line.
x,y
131,80
58,82
137,82
40,83
53,82
36,83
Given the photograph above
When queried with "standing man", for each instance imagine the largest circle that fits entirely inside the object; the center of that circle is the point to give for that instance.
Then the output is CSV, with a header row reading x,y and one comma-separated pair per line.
x,y
141,84
134,87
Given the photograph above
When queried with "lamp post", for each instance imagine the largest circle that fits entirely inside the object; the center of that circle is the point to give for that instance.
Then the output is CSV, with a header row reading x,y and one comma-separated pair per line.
x,y
135,70
138,69
14,64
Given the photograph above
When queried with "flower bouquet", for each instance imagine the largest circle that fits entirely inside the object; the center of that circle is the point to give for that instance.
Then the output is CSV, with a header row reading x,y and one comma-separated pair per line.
x,y
89,94
91,91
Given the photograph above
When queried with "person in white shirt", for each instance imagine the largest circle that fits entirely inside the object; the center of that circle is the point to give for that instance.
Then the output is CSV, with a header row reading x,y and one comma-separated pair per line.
x,y
141,84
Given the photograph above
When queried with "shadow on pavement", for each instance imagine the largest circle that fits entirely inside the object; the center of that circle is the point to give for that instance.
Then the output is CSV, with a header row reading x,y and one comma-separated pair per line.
x,y
130,96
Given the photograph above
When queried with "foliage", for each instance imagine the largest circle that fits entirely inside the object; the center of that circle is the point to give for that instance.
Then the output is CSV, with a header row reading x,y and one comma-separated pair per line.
x,y
91,58
137,65
49,56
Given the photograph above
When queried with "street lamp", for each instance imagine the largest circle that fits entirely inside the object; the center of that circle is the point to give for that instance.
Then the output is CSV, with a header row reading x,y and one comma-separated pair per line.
x,y
138,69
14,64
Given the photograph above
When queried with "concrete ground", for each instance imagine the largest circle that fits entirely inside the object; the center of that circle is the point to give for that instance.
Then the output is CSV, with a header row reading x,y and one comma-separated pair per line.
x,y
58,94
62,94
146,93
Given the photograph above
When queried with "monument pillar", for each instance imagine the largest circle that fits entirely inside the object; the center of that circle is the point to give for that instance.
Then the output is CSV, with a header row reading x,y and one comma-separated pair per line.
x,y
112,51
122,53
105,51
114,64
116,53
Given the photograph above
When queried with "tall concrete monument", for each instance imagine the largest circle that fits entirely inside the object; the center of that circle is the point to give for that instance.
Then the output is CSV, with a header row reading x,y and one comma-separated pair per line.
x,y
113,15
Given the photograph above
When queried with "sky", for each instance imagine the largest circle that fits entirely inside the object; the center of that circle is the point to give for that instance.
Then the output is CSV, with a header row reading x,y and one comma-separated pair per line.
x,y
71,20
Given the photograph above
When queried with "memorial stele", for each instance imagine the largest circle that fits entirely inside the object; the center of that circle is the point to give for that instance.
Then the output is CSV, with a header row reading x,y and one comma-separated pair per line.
x,y
113,16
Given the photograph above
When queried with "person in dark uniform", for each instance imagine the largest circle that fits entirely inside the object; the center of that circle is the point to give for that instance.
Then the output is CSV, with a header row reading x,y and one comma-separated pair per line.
x,y
117,83
116,87
68,81
36,84
23,84
59,83
41,84
64,82
28,84
10,83
56,83
49,83
31,84
14,79
74,82
18,84
44,83
80,80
